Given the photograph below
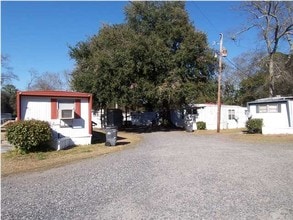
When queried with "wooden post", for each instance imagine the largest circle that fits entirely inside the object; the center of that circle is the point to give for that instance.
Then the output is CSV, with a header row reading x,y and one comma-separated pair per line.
x,y
219,85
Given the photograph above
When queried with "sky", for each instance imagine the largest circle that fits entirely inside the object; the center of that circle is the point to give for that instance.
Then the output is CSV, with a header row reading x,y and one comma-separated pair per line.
x,y
37,35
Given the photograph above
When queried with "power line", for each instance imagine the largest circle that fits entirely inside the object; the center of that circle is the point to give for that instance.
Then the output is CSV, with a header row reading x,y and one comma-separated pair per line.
x,y
214,27
209,21
235,66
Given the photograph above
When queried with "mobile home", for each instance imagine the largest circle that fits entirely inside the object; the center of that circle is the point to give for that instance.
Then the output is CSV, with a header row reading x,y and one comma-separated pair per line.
x,y
276,112
68,113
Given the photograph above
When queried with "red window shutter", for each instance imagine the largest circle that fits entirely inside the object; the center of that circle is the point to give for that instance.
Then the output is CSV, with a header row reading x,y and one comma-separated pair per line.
x,y
54,109
77,112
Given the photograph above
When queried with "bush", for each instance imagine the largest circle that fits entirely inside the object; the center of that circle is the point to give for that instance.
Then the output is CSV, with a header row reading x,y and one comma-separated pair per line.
x,y
254,126
201,125
29,135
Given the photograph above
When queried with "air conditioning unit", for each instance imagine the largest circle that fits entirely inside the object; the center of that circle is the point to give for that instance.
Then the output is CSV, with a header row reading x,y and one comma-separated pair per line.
x,y
66,114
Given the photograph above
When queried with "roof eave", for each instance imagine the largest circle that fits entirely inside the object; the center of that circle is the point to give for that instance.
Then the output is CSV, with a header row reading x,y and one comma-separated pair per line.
x,y
54,93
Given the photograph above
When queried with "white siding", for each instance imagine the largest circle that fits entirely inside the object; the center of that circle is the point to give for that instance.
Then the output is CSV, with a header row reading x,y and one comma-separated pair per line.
x,y
277,119
290,105
40,108
98,118
208,114
272,130
280,122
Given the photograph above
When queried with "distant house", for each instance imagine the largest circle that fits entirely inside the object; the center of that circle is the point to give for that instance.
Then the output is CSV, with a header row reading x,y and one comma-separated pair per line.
x,y
232,116
68,113
276,112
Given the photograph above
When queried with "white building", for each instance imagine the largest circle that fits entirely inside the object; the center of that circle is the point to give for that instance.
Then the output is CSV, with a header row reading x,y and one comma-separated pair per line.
x,y
68,113
98,117
232,116
276,112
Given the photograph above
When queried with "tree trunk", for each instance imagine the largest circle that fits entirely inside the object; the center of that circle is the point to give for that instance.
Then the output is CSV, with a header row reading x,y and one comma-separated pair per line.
x,y
272,76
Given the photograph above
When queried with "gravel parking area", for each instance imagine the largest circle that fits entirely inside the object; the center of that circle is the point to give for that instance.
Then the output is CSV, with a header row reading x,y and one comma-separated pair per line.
x,y
169,175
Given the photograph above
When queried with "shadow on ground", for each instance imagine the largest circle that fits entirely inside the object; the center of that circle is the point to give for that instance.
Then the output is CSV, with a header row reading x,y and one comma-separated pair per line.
x,y
149,129
100,137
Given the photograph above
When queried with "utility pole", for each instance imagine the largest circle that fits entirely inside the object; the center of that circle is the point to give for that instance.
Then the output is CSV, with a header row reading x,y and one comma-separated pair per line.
x,y
291,46
219,84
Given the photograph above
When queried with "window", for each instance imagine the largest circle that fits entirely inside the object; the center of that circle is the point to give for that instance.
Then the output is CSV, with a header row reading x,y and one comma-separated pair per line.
x,y
262,109
66,113
273,108
268,108
65,104
62,108
231,114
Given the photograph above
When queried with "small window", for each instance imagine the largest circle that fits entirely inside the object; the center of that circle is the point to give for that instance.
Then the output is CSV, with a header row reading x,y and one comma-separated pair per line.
x,y
269,108
66,113
262,109
231,114
273,108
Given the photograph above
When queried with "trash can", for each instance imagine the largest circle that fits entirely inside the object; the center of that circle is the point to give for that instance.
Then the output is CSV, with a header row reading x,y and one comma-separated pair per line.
x,y
111,136
189,125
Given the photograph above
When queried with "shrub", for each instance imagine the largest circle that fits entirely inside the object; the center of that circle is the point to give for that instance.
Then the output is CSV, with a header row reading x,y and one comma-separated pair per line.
x,y
201,125
29,135
254,126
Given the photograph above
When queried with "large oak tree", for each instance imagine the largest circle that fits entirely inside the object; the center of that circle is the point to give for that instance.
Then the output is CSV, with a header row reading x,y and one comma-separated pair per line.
x,y
156,59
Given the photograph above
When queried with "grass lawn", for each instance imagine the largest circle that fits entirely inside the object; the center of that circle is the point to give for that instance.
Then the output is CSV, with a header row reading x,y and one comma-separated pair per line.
x,y
241,135
13,163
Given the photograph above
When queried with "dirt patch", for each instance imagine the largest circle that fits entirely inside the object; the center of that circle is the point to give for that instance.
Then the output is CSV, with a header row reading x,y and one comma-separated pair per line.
x,y
13,163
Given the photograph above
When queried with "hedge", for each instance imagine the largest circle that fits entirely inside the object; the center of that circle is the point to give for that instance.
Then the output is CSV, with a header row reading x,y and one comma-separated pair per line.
x,y
29,135
254,126
201,125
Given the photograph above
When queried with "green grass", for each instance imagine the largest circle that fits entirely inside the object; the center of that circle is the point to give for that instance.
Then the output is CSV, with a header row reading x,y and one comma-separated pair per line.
x,y
242,135
13,162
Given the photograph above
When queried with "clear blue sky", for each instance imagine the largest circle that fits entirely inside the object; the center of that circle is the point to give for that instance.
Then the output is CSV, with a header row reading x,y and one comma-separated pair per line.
x,y
36,35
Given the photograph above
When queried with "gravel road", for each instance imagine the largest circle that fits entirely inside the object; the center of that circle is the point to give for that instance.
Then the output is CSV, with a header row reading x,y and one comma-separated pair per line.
x,y
169,175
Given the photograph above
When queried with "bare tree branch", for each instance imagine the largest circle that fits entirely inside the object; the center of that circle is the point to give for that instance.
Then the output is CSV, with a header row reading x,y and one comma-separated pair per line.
x,y
7,74
274,19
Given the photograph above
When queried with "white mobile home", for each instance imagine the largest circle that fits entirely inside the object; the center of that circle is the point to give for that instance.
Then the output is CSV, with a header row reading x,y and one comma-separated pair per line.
x,y
68,113
276,112
232,116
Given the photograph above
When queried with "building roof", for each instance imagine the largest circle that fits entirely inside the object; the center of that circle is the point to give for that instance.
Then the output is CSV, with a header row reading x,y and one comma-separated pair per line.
x,y
271,100
54,93
201,105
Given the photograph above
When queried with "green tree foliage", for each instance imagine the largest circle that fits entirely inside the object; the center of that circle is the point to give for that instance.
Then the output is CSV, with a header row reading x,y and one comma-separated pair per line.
x,y
8,99
253,87
156,59
230,93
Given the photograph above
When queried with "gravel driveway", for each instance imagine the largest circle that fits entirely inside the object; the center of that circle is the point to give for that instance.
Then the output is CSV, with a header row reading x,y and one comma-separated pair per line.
x,y
169,175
